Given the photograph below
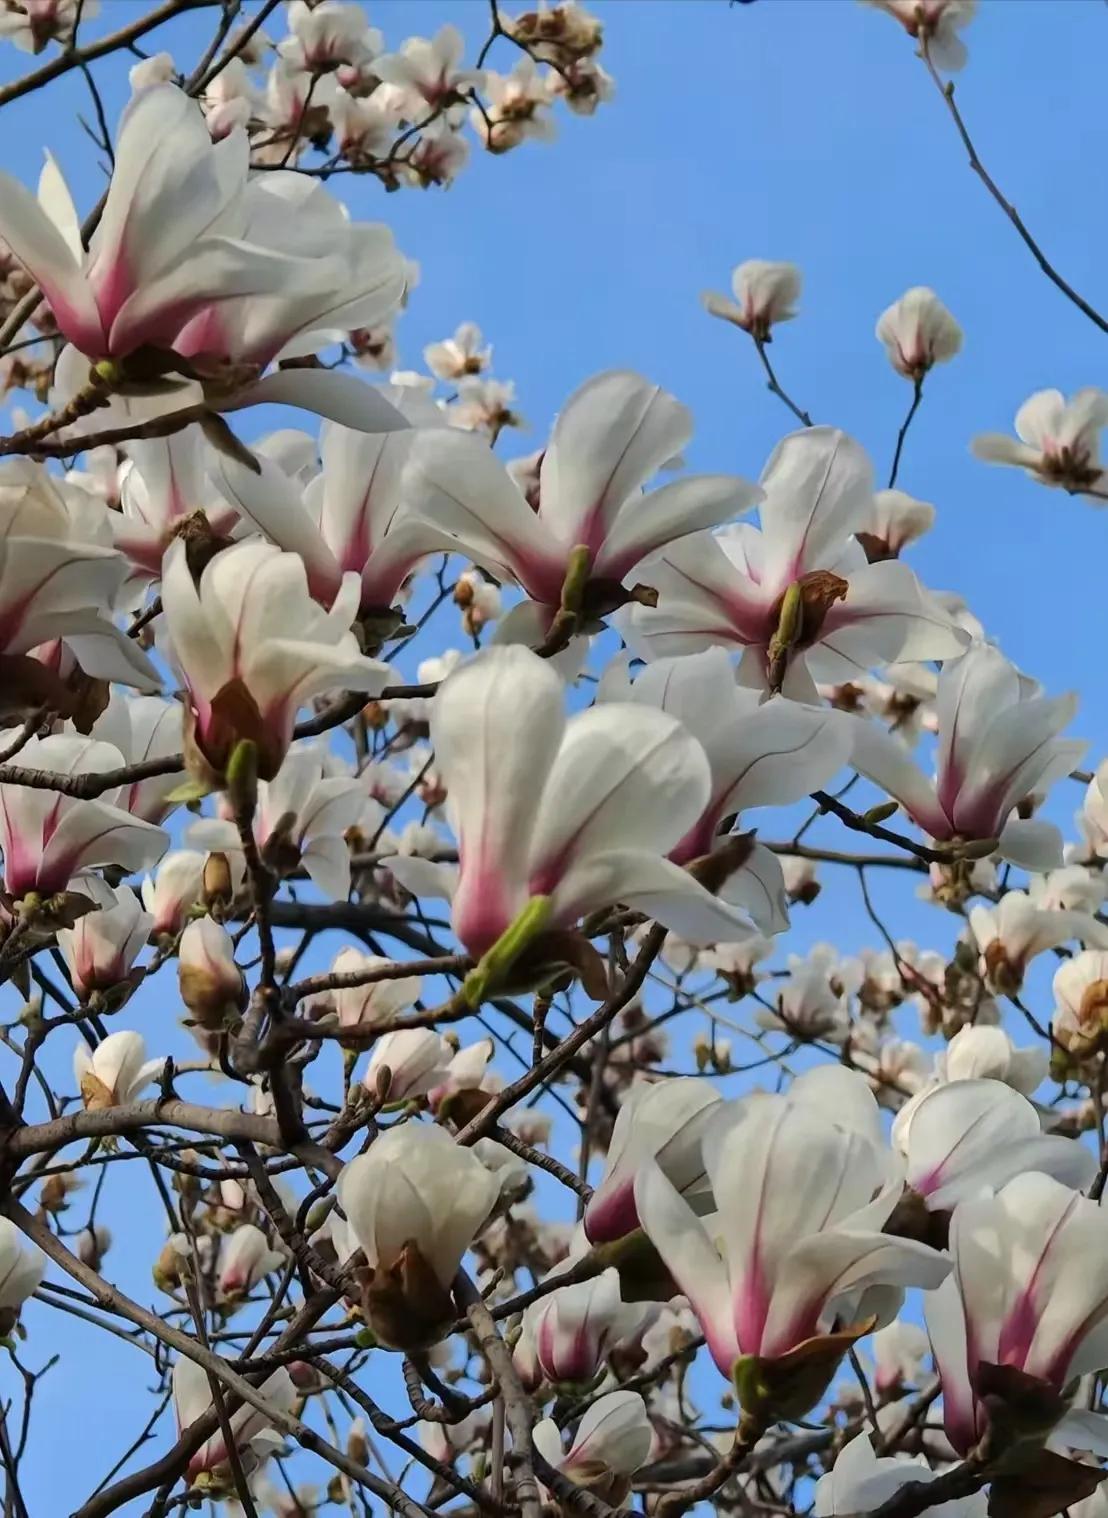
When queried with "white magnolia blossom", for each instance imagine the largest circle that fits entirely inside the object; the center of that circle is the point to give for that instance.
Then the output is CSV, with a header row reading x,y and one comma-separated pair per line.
x,y
1013,932
407,1063
663,1123
571,1332
102,946
573,813
113,1074
173,890
32,24
861,1482
983,1052
999,744
1029,1291
918,332
212,986
47,838
612,1440
965,1135
900,1350
1059,440
457,356
254,1436
767,754
252,648
1080,1020
798,594
936,24
774,1268
21,1270
896,519
765,294
246,1258
300,822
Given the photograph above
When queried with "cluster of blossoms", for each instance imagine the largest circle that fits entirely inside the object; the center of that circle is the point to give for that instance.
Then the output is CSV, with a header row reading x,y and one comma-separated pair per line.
x,y
678,701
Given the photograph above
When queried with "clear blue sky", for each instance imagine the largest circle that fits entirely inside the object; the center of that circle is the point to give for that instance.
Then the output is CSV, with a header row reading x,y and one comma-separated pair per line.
x,y
788,129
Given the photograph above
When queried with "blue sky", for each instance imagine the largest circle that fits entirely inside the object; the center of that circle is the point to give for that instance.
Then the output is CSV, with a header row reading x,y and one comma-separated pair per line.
x,y
788,129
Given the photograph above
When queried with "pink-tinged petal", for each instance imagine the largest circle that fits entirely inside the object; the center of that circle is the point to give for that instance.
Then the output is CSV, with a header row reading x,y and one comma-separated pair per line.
x,y
612,435
887,761
650,522
625,777
42,250
946,1329
356,498
703,601
495,725
818,490
452,481
1010,759
338,397
197,637
970,691
690,1257
828,1267
270,501
93,834
104,651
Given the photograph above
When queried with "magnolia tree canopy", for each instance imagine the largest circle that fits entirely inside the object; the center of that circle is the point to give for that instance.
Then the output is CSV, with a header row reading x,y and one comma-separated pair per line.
x,y
401,840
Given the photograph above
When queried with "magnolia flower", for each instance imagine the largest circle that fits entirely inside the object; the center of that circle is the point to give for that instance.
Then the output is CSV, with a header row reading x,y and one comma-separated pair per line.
x,y
176,887
47,838
59,575
798,595
161,487
767,754
326,35
1092,819
407,1063
1010,934
32,24
246,1258
1029,1293
611,437
998,744
612,1440
426,72
439,155
252,647
459,355
577,813
896,519
1059,440
414,1201
765,294
958,1138
254,1438
1080,1018
212,986
349,519
663,1123
918,332
583,86
982,1052
516,107
803,1185
1072,887
860,1482
575,1328
300,822
900,1350
809,1002
936,23
113,1074
102,945
21,1270
377,1002
158,258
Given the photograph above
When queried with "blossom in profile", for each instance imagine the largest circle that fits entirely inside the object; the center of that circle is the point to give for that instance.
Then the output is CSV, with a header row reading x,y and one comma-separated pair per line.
x,y
765,294
918,332
1057,441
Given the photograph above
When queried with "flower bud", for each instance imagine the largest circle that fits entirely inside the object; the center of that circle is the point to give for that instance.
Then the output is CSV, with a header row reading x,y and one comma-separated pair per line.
x,y
213,988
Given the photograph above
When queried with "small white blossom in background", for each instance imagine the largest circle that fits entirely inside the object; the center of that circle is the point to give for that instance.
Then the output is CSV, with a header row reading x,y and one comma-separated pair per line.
x,y
1058,440
765,294
918,332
